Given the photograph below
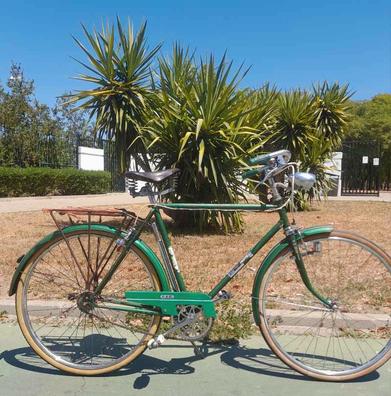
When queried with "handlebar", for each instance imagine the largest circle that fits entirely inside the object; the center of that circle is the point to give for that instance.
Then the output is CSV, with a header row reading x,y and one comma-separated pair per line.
x,y
264,159
275,159
253,172
274,164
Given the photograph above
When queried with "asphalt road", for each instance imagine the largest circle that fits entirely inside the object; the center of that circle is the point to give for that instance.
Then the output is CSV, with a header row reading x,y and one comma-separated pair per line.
x,y
245,369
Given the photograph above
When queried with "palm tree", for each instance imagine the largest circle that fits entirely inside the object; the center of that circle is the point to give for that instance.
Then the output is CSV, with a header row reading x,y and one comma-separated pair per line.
x,y
118,66
200,127
331,110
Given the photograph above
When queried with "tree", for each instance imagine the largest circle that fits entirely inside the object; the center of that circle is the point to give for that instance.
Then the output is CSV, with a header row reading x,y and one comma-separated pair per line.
x,y
193,115
119,68
75,123
32,134
17,113
371,120
74,127
312,125
199,125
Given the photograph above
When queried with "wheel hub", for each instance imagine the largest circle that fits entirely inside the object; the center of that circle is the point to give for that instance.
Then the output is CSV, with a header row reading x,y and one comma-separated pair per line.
x,y
86,302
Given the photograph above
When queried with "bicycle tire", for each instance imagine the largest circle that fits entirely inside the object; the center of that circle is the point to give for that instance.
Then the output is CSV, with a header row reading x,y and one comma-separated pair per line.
x,y
46,285
340,344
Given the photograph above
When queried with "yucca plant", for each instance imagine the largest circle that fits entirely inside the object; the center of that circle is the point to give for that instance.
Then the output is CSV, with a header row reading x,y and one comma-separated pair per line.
x,y
331,111
311,126
200,128
261,105
295,126
314,160
118,65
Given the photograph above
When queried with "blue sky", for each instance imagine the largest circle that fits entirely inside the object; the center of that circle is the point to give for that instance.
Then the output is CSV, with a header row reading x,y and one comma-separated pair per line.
x,y
288,43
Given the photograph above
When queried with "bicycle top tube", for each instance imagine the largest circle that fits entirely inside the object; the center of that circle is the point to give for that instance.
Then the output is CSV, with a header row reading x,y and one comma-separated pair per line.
x,y
218,207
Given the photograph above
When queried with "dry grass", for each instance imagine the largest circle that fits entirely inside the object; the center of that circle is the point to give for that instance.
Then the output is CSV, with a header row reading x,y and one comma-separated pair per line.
x,y
205,259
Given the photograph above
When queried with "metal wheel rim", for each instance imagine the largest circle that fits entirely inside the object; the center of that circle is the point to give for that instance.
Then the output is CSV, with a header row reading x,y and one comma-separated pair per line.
x,y
355,370
37,338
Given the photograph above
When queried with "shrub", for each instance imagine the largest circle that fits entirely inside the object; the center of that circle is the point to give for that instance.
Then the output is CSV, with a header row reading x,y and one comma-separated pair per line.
x,y
15,182
234,321
200,125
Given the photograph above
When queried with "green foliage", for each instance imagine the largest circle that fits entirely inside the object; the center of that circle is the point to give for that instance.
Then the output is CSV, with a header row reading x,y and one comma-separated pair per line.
x,y
330,107
331,111
199,125
233,322
31,134
192,115
312,125
119,67
371,120
314,158
16,182
295,122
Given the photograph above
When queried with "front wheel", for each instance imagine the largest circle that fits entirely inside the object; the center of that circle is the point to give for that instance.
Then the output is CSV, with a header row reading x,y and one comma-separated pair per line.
x,y
345,341
65,322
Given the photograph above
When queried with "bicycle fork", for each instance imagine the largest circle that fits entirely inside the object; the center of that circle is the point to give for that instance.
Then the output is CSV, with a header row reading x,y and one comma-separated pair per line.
x,y
291,235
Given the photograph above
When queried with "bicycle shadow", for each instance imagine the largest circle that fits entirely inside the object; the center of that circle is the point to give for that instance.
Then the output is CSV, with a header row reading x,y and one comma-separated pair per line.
x,y
255,360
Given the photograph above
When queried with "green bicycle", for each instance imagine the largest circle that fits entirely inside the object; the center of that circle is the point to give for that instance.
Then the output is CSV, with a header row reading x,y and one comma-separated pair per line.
x,y
90,297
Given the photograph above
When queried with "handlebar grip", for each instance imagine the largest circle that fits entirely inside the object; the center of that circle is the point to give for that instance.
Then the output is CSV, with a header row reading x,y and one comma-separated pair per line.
x,y
260,159
252,172
265,158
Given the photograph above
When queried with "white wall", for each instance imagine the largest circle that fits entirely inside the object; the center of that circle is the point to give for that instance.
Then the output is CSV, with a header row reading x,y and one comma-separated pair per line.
x,y
91,158
336,168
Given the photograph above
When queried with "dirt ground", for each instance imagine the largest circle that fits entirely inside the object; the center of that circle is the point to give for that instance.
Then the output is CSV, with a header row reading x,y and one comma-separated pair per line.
x,y
205,259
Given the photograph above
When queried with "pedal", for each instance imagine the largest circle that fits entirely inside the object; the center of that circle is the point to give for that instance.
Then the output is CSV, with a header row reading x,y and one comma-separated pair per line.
x,y
197,350
156,342
223,295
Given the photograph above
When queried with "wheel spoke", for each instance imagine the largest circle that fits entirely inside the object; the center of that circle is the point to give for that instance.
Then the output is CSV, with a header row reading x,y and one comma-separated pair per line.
x,y
60,309
338,341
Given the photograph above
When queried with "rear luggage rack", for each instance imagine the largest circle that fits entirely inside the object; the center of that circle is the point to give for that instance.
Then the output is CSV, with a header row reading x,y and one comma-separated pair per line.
x,y
122,219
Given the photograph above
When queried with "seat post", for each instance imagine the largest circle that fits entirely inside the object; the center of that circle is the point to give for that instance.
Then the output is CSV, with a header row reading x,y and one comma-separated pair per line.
x,y
151,196
163,247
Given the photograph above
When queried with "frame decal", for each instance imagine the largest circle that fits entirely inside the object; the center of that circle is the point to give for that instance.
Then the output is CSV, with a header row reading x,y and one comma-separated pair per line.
x,y
239,265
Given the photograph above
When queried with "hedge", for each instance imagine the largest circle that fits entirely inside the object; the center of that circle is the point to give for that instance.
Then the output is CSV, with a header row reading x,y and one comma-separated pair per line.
x,y
16,182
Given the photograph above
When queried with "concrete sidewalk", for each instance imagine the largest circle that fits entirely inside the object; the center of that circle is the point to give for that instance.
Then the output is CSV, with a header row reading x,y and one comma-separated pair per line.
x,y
243,369
384,196
28,204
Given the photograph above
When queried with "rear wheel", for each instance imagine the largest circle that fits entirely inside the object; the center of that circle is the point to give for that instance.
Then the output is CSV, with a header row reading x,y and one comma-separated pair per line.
x,y
65,322
344,342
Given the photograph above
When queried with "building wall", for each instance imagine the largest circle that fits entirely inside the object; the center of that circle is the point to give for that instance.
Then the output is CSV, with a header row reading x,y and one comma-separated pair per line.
x,y
90,158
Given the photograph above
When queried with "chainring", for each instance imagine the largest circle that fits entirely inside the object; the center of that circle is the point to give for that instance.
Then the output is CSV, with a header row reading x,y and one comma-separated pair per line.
x,y
199,326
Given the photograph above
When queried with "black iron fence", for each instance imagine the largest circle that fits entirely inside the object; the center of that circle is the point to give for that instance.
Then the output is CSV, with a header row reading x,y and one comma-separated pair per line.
x,y
59,152
366,168
366,165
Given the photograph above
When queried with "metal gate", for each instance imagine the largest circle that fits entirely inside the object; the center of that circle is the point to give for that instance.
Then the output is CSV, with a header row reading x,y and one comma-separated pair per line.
x,y
111,165
360,168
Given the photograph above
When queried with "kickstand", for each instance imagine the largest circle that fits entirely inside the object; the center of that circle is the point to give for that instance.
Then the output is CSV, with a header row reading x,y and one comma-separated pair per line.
x,y
199,351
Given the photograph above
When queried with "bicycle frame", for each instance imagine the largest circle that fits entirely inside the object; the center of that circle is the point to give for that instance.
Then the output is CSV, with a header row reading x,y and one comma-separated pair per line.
x,y
170,263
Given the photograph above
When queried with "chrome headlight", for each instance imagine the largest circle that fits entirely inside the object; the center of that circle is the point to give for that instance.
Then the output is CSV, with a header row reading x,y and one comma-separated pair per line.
x,y
304,180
